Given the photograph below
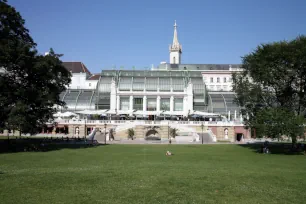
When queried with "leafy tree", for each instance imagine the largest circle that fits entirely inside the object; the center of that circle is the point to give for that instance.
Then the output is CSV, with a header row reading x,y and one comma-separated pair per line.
x,y
271,88
30,83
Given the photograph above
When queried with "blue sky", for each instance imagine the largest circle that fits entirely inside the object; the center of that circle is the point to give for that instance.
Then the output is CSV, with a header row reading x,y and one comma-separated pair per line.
x,y
103,33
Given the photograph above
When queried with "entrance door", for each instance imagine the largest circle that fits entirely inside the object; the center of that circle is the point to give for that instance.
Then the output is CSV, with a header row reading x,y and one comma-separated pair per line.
x,y
239,136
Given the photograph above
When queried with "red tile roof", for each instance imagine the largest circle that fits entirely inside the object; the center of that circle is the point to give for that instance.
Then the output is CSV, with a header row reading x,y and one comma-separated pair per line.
x,y
94,77
76,67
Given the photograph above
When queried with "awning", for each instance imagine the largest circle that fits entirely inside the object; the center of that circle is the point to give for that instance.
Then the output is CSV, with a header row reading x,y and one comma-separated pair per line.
x,y
92,112
66,114
173,113
200,113
146,113
119,112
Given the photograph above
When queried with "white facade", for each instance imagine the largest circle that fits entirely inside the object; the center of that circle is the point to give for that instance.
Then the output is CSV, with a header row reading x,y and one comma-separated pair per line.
x,y
218,80
80,81
152,102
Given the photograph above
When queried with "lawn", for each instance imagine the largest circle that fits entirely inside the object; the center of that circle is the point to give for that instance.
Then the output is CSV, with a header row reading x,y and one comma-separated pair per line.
x,y
143,174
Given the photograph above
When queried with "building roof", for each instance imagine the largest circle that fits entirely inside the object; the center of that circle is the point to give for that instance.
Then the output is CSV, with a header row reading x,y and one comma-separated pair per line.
x,y
198,66
94,77
76,67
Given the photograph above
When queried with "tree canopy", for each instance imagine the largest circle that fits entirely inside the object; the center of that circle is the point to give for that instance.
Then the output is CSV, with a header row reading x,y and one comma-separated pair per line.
x,y
30,83
271,88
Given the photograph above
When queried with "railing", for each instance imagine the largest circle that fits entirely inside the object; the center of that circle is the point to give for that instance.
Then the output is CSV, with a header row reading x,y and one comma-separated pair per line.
x,y
150,122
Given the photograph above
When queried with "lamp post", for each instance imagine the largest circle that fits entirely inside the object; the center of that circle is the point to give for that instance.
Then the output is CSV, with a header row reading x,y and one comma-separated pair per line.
x,y
202,126
85,130
168,130
105,132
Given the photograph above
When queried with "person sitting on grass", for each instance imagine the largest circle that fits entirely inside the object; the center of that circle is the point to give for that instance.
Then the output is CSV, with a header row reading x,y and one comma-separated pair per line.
x,y
168,153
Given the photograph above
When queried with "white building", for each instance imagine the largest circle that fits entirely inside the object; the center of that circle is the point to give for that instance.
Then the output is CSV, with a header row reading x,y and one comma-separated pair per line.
x,y
171,88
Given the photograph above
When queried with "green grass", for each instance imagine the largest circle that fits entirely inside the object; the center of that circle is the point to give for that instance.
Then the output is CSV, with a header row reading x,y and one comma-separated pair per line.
x,y
143,174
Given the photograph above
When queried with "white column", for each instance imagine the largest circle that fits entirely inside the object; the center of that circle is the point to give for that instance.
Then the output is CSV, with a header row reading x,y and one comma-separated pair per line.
x,y
131,103
235,117
158,103
144,105
113,94
118,103
171,103
185,106
241,119
229,115
190,97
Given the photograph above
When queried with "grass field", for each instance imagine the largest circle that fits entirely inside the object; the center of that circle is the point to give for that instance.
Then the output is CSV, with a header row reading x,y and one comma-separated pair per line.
x,y
143,174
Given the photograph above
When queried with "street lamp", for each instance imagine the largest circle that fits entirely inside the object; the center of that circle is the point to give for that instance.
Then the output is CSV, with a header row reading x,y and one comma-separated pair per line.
x,y
202,126
85,130
168,130
105,132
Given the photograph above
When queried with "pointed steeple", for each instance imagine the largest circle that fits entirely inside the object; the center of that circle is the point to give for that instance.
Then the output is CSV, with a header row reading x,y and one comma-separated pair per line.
x,y
175,44
175,40
175,49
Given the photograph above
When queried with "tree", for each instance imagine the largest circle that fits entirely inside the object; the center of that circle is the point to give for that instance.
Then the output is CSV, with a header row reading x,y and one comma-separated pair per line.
x,y
30,83
271,88
131,133
173,132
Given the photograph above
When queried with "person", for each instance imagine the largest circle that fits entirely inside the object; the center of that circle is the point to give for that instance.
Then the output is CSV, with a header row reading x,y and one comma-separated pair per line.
x,y
168,153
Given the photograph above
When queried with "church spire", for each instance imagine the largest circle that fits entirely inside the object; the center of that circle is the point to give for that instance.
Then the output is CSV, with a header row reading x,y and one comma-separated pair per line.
x,y
175,44
175,49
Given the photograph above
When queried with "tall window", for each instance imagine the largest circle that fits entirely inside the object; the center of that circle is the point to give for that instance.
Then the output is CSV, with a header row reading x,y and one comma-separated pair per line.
x,y
211,80
138,104
178,104
174,60
224,80
124,103
151,104
218,80
165,104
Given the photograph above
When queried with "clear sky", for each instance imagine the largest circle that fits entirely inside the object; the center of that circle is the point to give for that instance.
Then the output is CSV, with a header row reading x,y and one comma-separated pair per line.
x,y
103,33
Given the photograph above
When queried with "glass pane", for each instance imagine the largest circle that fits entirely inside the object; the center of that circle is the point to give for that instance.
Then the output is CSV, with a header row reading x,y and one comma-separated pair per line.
x,y
178,104
138,104
165,104
124,103
151,104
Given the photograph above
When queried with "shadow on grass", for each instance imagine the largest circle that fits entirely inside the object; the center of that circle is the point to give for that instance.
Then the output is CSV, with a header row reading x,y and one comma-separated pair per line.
x,y
43,145
276,148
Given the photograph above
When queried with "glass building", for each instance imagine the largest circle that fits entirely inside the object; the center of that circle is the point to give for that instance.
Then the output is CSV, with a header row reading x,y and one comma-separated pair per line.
x,y
172,88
